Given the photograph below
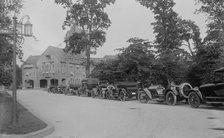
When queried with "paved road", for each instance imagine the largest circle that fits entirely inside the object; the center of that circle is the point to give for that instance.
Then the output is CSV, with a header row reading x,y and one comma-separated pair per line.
x,y
83,117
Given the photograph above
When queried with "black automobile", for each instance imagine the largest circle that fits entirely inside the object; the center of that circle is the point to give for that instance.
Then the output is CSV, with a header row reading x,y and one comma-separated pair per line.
x,y
101,89
212,93
88,86
62,89
73,89
52,89
122,88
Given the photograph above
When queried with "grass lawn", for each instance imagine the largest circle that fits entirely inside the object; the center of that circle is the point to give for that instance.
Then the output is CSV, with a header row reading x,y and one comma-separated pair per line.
x,y
27,122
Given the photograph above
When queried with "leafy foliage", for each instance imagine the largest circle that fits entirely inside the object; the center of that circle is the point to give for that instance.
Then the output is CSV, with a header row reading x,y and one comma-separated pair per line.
x,y
105,70
190,32
170,31
137,59
210,54
93,20
6,41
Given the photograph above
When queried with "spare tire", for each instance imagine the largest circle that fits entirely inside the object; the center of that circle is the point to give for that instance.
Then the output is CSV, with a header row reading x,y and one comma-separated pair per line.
x,y
185,89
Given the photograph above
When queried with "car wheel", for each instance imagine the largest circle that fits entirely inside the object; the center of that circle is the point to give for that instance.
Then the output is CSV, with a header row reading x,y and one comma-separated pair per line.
x,y
108,95
171,98
143,97
194,100
102,95
122,95
93,94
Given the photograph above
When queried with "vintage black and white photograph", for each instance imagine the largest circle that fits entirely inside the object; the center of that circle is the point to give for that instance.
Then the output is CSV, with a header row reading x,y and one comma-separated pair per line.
x,y
111,68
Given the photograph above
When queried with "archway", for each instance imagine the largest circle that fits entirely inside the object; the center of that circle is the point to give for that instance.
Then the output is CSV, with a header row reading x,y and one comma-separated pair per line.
x,y
63,81
43,83
54,82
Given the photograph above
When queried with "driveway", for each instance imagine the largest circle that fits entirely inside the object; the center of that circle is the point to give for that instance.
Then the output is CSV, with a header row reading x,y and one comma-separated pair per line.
x,y
85,117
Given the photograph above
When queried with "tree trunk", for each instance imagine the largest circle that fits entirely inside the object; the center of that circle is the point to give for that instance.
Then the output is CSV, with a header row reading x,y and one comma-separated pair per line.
x,y
88,55
88,61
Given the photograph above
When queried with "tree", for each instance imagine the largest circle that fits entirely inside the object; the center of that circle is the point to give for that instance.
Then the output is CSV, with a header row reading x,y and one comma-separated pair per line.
x,y
93,20
105,70
210,54
171,59
137,59
190,32
6,10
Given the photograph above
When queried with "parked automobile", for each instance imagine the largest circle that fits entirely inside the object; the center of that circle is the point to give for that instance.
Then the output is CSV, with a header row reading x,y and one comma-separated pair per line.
x,y
62,89
122,89
73,89
156,92
212,93
101,89
88,86
170,95
52,89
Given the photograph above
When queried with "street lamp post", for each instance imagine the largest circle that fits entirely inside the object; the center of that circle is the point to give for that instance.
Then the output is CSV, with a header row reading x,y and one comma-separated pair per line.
x,y
14,107
27,32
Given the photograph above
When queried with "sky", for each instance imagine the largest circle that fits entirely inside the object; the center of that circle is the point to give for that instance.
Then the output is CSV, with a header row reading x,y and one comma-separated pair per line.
x,y
129,19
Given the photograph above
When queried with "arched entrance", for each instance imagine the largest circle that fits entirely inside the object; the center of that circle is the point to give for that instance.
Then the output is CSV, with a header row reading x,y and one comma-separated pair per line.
x,y
63,81
43,83
54,82
29,84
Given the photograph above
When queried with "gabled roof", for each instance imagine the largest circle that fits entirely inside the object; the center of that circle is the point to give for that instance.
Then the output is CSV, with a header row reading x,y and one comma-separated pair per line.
x,y
57,52
63,56
32,60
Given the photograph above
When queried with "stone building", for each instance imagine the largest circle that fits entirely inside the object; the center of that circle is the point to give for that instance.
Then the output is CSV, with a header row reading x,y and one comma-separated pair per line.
x,y
53,67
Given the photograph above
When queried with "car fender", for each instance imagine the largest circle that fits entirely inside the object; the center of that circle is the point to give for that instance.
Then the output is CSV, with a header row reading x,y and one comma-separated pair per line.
x,y
174,91
110,87
124,90
198,92
147,91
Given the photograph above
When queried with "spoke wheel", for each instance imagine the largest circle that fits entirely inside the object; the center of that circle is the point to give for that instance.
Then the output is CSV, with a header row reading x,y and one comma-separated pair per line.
x,y
122,95
194,100
171,98
108,95
143,98
93,94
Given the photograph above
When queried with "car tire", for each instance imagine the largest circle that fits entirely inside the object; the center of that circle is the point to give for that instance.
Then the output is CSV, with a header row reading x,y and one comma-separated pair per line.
x,y
143,97
122,96
107,95
171,98
93,94
194,100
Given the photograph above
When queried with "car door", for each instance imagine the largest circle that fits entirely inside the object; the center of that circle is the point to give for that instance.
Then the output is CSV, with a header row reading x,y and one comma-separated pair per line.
x,y
219,89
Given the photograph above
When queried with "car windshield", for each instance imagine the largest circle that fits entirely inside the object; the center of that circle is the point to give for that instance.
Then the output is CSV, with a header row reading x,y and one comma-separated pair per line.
x,y
219,75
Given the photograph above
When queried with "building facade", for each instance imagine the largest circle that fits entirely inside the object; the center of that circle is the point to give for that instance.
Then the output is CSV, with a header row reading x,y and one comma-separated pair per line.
x,y
53,67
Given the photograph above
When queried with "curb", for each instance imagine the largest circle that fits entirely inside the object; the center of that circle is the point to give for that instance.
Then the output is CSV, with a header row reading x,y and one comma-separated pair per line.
x,y
36,134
